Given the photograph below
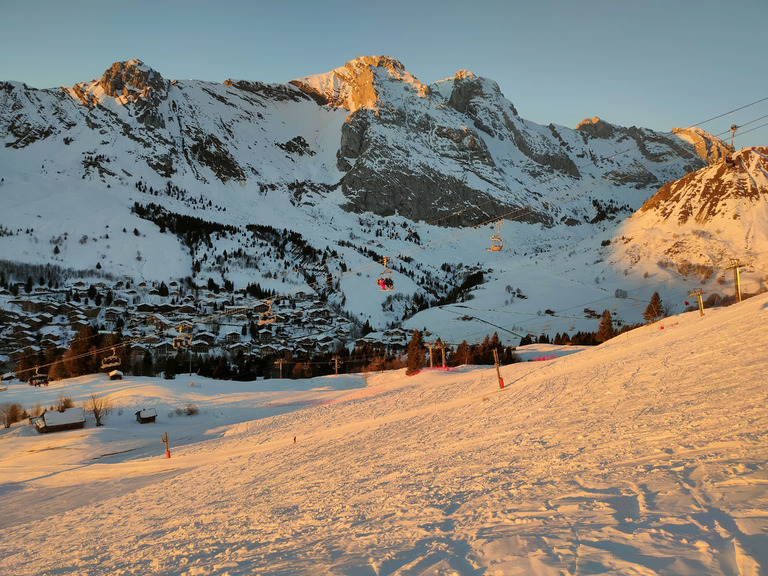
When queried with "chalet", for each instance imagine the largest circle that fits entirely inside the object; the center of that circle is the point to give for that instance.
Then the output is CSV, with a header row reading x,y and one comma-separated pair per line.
x,y
201,347
92,313
318,313
159,321
22,329
266,350
44,319
265,335
232,337
138,351
238,347
70,419
165,348
208,337
53,308
112,315
186,326
78,324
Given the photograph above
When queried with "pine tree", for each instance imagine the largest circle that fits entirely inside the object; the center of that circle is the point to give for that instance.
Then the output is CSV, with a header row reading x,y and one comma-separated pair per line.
x,y
654,309
416,353
605,331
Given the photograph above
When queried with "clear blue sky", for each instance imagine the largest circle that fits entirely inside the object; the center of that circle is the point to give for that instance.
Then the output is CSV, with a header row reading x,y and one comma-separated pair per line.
x,y
648,63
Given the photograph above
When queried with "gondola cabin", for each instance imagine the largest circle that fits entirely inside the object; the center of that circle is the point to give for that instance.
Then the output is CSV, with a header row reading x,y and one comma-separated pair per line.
x,y
496,242
38,380
384,281
267,316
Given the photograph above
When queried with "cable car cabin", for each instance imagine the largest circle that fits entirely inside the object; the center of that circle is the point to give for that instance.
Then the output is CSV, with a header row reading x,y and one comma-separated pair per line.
x,y
384,280
38,380
496,242
266,317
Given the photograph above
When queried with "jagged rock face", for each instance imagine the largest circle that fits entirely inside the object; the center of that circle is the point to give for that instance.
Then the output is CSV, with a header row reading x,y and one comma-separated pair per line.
x,y
596,128
132,80
708,147
701,196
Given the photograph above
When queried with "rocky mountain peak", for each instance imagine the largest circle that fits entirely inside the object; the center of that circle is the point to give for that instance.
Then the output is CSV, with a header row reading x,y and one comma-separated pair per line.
x,y
357,84
132,80
596,127
708,147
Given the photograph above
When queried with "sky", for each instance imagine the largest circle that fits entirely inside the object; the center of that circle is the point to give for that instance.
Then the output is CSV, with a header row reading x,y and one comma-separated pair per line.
x,y
648,63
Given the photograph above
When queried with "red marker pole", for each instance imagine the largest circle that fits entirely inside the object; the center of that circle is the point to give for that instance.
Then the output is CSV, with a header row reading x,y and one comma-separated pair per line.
x,y
496,364
167,449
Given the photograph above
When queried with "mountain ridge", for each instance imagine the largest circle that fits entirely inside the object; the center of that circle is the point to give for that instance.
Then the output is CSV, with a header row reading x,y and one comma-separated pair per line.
x,y
393,167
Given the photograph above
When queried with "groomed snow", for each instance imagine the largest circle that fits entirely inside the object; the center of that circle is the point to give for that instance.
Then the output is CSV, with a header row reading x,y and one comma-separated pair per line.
x,y
645,455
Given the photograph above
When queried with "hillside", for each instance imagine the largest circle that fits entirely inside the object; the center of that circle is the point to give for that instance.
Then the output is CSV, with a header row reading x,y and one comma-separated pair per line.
x,y
645,455
698,224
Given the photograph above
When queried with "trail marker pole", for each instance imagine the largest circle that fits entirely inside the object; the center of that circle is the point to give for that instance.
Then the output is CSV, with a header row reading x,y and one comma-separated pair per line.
x,y
336,362
735,267
280,363
167,449
496,364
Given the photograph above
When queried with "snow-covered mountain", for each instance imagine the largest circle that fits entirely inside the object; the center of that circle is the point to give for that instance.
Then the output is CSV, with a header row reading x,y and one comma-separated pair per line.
x,y
698,224
324,176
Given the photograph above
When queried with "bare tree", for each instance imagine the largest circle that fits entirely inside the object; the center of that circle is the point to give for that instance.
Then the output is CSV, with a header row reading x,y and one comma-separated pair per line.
x,y
10,413
100,406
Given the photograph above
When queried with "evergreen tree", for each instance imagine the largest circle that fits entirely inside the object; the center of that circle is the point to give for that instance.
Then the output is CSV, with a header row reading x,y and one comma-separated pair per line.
x,y
654,309
461,356
57,371
416,353
605,330
147,367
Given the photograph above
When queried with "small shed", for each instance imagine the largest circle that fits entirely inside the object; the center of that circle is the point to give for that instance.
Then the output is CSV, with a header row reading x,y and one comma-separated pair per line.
x,y
146,416
115,375
55,421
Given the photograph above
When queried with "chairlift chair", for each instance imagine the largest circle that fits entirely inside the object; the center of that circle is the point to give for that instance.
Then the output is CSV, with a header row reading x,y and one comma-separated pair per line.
x,y
496,242
384,280
183,340
110,361
266,317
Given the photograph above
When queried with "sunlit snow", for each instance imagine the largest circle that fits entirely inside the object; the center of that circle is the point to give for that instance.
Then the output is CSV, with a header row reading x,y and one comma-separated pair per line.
x,y
645,455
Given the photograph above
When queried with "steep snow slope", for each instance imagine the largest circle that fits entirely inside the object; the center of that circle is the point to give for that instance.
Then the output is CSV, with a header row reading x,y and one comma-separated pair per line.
x,y
646,455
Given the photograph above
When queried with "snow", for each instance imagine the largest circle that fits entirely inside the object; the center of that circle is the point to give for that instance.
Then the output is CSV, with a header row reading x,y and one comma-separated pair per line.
x,y
645,455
